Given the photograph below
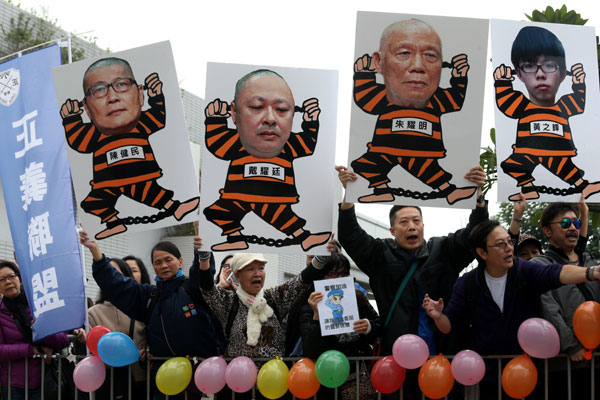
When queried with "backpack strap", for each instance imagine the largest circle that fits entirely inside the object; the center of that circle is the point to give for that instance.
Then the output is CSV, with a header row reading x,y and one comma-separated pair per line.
x,y
410,273
152,299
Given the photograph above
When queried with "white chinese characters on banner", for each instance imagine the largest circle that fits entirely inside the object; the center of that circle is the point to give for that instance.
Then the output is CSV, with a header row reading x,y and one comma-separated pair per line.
x,y
28,135
338,310
39,235
33,184
45,299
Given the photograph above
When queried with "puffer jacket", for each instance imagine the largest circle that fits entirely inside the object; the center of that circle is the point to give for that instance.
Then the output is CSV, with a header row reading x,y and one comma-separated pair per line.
x,y
14,348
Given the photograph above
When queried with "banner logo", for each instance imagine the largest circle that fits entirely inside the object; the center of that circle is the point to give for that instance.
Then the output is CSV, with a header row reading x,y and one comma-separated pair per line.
x,y
10,82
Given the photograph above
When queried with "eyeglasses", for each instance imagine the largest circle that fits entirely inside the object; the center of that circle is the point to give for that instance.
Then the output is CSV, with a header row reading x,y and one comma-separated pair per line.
x,y
565,223
548,68
119,85
503,245
12,277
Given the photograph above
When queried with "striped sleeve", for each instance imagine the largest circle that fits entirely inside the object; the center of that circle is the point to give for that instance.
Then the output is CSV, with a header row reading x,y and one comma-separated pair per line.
x,y
451,99
574,103
222,142
303,144
81,137
154,118
510,102
368,94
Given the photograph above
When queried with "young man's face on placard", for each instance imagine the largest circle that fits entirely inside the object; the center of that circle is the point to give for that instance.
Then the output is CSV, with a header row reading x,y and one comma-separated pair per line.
x,y
541,86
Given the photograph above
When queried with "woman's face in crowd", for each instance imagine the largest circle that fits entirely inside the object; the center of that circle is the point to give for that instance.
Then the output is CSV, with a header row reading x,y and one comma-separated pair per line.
x,y
252,277
135,270
10,284
165,264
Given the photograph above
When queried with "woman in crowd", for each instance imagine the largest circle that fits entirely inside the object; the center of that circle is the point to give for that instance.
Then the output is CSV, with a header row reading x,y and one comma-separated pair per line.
x,y
355,344
225,278
16,338
139,272
172,329
496,297
106,314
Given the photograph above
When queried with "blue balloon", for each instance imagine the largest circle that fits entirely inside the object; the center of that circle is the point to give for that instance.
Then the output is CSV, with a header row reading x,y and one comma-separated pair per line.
x,y
117,349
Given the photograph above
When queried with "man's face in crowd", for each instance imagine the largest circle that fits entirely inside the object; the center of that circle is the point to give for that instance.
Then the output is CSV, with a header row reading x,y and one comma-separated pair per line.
x,y
565,239
263,113
410,60
408,229
542,86
116,112
528,251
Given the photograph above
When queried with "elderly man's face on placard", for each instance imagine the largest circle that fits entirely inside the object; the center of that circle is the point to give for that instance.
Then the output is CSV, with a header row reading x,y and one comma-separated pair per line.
x,y
410,60
263,113
115,112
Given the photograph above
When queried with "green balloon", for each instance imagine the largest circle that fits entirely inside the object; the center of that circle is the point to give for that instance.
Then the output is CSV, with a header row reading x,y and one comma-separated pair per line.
x,y
332,368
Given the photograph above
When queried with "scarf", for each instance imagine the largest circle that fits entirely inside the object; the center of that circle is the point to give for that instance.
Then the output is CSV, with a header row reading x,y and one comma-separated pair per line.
x,y
18,308
258,313
177,275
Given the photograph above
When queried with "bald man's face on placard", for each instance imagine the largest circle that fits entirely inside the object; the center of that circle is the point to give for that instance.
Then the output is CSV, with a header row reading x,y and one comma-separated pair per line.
x,y
410,61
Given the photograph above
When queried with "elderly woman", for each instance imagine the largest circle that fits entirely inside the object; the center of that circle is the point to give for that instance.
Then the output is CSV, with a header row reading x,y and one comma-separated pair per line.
x,y
16,338
504,291
252,317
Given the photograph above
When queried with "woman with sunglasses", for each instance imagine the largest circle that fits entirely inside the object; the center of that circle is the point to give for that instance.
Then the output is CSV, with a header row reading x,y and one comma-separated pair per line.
x,y
489,303
16,342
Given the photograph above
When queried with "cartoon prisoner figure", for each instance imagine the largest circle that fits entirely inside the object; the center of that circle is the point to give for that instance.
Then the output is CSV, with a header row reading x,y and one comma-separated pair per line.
x,y
261,151
409,105
334,301
543,131
123,160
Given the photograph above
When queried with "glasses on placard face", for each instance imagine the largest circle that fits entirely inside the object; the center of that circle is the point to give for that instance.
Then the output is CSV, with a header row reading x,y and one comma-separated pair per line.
x,y
548,68
11,277
503,244
565,223
119,85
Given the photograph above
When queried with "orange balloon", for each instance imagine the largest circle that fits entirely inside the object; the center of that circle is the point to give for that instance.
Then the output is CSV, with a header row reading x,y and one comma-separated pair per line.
x,y
519,377
302,379
435,377
586,324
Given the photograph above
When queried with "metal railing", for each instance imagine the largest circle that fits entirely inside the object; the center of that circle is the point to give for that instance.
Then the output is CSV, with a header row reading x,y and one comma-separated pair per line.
x,y
470,393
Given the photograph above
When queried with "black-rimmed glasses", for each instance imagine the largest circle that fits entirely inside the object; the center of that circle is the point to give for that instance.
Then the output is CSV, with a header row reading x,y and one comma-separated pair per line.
x,y
119,85
547,68
565,223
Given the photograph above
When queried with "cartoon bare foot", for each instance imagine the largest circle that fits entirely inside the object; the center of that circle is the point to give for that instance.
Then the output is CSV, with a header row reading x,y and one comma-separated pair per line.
x,y
460,194
527,195
234,242
108,232
590,189
185,208
314,240
371,198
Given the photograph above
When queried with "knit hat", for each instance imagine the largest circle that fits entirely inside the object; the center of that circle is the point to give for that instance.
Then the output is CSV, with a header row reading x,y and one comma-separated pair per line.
x,y
241,260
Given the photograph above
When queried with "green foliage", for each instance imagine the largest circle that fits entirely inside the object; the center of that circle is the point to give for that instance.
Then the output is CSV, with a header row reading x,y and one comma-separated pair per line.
x,y
557,16
487,160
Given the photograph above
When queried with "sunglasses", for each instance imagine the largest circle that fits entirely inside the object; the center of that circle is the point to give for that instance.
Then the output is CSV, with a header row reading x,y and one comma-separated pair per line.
x,y
566,223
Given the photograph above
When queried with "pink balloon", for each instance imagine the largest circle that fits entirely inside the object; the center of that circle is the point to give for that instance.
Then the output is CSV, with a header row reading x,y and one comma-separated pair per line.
x,y
468,367
410,351
240,374
210,375
539,338
89,374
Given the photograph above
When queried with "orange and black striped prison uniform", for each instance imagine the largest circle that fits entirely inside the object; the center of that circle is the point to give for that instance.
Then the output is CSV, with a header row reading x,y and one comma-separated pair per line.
x,y
123,163
411,138
265,186
543,133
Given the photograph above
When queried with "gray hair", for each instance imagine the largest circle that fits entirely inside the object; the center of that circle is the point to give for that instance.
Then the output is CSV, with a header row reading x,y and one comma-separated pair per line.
x,y
401,24
106,62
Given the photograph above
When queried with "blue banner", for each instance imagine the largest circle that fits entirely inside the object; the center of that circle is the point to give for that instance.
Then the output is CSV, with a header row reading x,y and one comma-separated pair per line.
x,y
34,170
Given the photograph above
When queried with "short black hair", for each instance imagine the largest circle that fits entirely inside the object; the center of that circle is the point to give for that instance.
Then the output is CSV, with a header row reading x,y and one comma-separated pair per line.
x,y
106,62
169,247
395,209
479,234
532,42
141,266
125,270
223,262
336,261
553,210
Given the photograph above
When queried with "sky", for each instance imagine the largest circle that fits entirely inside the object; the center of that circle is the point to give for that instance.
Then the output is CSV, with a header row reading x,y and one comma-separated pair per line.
x,y
306,34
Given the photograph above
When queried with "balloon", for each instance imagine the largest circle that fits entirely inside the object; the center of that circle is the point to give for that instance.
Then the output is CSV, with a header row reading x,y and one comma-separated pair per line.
x,y
94,336
519,377
410,351
210,375
435,377
240,374
89,374
117,349
387,376
468,367
539,338
174,376
302,379
586,324
272,379
332,368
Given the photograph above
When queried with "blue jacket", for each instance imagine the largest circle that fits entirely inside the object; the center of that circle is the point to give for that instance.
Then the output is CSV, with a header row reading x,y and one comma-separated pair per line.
x,y
173,327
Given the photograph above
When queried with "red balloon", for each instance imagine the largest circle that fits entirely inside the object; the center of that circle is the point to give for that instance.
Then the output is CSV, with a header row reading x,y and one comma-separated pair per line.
x,y
94,336
435,377
387,376
586,324
519,377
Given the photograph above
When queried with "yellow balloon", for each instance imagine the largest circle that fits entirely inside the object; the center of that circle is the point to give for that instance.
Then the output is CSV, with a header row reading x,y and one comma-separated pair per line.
x,y
174,376
272,379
